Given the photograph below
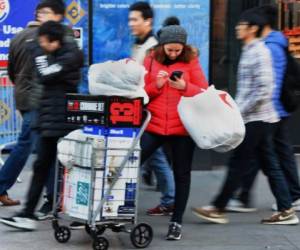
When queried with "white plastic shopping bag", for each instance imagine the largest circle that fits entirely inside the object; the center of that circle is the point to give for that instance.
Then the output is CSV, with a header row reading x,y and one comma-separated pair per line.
x,y
212,119
121,78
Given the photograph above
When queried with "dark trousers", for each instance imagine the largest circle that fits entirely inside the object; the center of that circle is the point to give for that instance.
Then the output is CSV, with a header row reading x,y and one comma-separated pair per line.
x,y
286,158
46,155
182,148
257,146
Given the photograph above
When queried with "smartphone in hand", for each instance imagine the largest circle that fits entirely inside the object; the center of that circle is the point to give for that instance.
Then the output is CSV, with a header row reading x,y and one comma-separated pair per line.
x,y
177,74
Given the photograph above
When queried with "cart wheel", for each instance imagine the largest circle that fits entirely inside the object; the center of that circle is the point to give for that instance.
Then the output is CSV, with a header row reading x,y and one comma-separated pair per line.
x,y
100,229
100,243
141,235
62,234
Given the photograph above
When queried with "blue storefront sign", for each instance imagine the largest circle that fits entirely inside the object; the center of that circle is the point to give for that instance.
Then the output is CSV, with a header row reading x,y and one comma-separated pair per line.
x,y
111,36
77,18
14,16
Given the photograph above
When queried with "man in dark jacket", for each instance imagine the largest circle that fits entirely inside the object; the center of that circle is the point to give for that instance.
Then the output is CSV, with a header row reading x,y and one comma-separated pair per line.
x,y
20,70
58,66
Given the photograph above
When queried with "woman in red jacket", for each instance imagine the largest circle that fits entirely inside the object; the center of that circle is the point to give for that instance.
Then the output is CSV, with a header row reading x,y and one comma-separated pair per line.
x,y
172,54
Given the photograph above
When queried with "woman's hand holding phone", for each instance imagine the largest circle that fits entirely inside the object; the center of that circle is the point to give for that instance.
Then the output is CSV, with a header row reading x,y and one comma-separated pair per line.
x,y
176,81
161,78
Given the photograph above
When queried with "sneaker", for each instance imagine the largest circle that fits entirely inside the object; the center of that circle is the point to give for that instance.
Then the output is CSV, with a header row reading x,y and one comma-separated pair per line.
x,y
45,211
21,221
235,205
295,205
211,214
161,210
77,225
174,232
286,217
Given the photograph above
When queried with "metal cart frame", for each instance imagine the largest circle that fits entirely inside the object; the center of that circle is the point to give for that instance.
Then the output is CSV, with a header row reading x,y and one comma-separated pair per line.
x,y
141,234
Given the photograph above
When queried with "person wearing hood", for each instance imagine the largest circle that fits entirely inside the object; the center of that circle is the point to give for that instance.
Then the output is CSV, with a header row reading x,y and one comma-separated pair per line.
x,y
278,45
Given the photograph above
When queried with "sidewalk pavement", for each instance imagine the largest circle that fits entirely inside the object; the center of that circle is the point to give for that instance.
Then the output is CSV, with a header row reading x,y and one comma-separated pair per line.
x,y
243,233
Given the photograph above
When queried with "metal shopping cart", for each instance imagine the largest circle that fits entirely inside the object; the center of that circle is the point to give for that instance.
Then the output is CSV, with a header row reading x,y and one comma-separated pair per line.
x,y
97,185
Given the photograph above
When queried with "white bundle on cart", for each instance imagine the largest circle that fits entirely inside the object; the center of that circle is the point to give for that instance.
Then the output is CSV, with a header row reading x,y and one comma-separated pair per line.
x,y
70,152
118,78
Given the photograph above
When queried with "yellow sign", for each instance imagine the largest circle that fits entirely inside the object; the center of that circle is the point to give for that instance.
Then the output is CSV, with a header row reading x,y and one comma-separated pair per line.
x,y
4,112
74,12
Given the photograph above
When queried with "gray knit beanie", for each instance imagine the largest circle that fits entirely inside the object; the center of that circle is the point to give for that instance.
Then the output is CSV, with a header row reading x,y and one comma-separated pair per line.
x,y
172,34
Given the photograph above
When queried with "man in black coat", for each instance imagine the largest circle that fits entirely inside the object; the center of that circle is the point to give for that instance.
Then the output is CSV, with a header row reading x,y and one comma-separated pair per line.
x,y
27,92
58,66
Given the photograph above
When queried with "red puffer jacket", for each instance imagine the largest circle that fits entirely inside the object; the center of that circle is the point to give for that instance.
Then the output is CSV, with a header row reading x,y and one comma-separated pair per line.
x,y
163,102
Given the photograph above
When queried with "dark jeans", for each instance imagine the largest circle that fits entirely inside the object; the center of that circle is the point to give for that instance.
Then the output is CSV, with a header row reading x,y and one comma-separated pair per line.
x,y
182,148
19,155
46,155
287,163
257,145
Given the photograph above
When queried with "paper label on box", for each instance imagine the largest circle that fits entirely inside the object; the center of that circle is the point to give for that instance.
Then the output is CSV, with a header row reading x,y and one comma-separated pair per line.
x,y
82,195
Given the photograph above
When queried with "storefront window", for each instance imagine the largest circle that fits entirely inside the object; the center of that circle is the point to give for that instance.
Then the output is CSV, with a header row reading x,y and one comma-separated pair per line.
x,y
289,22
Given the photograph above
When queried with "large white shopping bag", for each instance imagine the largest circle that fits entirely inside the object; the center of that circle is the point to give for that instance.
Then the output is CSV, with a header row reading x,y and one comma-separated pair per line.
x,y
212,119
120,78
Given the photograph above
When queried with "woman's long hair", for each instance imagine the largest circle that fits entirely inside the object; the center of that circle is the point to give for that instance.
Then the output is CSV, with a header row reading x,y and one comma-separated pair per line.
x,y
188,53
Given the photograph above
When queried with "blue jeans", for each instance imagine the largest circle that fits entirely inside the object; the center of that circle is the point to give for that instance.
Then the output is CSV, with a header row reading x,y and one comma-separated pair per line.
x,y
19,155
159,164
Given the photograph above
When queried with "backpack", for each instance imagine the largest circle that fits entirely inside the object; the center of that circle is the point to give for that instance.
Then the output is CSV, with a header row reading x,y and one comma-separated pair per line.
x,y
290,92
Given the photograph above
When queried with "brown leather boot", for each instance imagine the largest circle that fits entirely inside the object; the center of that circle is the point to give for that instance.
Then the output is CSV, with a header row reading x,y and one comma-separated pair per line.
x,y
6,201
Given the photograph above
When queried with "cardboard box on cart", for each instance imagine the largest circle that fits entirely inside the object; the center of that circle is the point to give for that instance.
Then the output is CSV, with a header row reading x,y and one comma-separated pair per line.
x,y
77,183
121,201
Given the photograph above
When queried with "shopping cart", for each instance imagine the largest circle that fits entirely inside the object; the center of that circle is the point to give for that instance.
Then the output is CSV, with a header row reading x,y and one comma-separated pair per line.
x,y
97,185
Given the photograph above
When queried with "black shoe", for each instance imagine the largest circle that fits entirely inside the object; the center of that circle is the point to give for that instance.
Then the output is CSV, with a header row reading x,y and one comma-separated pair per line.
x,y
174,232
45,211
21,221
77,225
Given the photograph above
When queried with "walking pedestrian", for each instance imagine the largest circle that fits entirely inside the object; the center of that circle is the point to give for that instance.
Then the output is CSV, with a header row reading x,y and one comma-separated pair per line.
x,y
58,64
278,45
140,22
254,97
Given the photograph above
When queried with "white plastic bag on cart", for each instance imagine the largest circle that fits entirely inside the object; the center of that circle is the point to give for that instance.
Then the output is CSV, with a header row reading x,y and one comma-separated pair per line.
x,y
212,119
71,152
121,78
